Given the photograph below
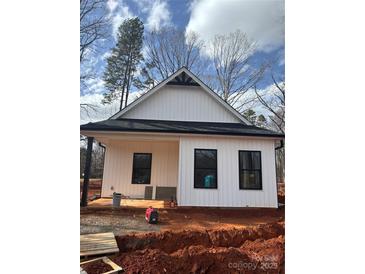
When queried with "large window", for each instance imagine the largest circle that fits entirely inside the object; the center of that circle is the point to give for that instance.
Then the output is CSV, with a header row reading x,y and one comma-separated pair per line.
x,y
141,168
250,169
205,168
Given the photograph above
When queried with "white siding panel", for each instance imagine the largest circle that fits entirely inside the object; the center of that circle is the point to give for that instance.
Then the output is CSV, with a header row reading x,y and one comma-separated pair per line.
x,y
119,163
228,193
180,103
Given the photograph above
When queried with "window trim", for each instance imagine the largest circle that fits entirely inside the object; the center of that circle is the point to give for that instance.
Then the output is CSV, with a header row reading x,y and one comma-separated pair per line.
x,y
150,168
240,169
216,168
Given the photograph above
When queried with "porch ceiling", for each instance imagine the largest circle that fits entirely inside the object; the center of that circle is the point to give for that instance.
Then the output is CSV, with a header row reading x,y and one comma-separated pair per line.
x,y
106,137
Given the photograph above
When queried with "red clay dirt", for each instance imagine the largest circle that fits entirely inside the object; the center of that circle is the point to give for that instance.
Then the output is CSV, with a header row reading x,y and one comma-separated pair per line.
x,y
169,242
199,240
255,249
258,249
97,267
178,219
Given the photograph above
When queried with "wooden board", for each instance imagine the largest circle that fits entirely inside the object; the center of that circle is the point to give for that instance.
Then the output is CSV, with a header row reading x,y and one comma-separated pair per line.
x,y
106,260
140,203
97,244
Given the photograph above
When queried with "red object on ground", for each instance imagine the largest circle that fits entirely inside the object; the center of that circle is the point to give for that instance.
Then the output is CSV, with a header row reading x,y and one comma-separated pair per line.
x,y
151,215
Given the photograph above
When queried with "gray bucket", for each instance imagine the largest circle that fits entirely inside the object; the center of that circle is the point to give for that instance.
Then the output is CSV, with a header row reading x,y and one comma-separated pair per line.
x,y
117,197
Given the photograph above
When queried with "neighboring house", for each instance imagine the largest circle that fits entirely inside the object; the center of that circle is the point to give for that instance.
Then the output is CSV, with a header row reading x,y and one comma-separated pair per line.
x,y
181,140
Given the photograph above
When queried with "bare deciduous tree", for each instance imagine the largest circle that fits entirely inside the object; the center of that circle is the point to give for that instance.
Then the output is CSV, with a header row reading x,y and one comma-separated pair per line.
x,y
93,21
168,49
234,75
93,24
274,103
97,156
87,108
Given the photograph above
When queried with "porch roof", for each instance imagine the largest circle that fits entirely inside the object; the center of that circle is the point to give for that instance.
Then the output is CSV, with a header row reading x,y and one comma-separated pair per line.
x,y
209,128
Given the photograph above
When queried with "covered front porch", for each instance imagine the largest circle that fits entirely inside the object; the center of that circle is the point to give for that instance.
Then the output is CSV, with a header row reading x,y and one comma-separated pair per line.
x,y
127,171
132,203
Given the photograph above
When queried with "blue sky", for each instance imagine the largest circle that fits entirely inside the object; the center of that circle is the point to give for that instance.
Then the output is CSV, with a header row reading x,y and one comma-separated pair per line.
x,y
261,20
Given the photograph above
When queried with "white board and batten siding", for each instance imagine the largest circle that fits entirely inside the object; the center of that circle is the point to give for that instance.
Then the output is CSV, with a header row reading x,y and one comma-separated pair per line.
x,y
118,166
173,161
180,103
228,193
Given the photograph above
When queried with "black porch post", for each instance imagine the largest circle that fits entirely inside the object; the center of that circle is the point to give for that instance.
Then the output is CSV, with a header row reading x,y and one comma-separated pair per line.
x,y
85,186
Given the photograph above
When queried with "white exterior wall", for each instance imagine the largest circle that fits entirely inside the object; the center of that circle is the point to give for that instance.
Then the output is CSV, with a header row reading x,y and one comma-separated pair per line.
x,y
118,166
180,103
228,193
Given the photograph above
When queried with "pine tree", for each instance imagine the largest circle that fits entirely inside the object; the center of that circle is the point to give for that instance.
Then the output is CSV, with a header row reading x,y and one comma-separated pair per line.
x,y
261,121
257,120
122,64
250,115
145,80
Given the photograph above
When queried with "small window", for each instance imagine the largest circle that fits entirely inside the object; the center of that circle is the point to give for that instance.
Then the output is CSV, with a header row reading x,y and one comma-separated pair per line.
x,y
141,168
205,168
250,170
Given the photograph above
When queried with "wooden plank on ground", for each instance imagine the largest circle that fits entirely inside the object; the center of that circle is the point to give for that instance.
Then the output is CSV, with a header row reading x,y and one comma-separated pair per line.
x,y
97,244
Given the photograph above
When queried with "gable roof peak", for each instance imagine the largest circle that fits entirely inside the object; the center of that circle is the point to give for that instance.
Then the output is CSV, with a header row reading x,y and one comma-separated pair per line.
x,y
192,80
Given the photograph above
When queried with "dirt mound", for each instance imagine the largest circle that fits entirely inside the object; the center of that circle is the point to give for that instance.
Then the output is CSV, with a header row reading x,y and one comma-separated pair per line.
x,y
171,241
236,237
193,259
199,259
147,261
256,249
166,241
270,252
97,267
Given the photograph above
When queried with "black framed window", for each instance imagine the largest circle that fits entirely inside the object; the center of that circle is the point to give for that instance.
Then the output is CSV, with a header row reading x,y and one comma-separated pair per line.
x,y
205,168
141,168
250,169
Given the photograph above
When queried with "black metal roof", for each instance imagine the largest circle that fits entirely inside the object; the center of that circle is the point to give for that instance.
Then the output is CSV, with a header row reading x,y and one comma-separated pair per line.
x,y
141,125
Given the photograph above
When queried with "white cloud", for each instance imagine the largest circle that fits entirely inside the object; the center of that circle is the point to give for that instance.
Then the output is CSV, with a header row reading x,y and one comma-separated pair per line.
x,y
118,12
97,111
249,99
158,13
269,93
106,55
120,15
94,85
143,5
112,4
262,21
159,16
